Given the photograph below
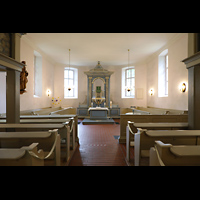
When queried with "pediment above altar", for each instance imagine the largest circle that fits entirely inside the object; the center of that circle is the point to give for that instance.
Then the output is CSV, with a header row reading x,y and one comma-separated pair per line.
x,y
98,71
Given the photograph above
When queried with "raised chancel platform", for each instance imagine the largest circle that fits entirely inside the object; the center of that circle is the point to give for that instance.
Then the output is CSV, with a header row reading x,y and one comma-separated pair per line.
x,y
99,121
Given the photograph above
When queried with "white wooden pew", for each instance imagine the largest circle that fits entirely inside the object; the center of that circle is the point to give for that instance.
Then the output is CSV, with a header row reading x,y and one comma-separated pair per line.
x,y
132,128
63,130
147,119
21,156
69,121
144,140
37,121
57,116
48,141
172,155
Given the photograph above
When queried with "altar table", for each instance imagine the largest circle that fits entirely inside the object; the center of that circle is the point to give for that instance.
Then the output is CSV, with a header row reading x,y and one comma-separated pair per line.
x,y
98,113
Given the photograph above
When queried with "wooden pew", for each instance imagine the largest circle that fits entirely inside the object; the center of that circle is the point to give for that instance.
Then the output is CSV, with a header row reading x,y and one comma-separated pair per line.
x,y
55,117
21,156
172,155
144,140
147,119
48,141
132,128
64,111
63,130
50,121
52,117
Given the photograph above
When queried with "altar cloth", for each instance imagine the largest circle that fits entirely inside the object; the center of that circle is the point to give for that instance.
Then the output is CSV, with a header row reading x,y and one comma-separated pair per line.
x,y
97,108
98,113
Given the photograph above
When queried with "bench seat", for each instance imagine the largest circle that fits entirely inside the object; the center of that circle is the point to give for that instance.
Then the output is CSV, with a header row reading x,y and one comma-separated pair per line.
x,y
132,128
21,156
46,141
144,140
172,155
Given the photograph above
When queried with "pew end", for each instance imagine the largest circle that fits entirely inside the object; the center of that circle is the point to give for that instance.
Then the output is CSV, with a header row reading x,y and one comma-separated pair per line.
x,y
48,141
21,156
175,155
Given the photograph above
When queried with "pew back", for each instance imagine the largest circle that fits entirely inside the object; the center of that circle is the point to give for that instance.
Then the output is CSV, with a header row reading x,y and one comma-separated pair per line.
x,y
147,119
175,137
144,140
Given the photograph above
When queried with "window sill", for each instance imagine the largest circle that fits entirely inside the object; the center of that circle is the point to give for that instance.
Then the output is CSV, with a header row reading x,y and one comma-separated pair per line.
x,y
128,97
70,97
163,96
35,96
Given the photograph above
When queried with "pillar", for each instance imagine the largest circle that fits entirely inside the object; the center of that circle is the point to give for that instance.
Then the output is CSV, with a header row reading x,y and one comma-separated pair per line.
x,y
13,96
193,66
107,91
194,97
89,91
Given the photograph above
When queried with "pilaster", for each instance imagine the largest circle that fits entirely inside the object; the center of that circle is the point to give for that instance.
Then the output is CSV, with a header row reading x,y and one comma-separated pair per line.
x,y
193,66
13,96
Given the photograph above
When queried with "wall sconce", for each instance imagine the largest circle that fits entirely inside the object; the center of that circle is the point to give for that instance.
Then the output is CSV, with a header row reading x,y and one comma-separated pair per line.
x,y
48,92
183,87
151,91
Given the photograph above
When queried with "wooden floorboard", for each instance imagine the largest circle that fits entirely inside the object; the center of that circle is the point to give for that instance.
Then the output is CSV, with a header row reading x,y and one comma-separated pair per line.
x,y
98,146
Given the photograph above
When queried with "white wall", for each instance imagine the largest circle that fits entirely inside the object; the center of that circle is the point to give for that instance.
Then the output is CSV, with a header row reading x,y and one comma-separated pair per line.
x,y
178,73
115,86
146,78
27,100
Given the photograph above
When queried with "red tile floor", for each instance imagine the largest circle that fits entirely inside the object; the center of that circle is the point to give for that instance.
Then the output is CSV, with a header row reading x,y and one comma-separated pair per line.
x,y
98,146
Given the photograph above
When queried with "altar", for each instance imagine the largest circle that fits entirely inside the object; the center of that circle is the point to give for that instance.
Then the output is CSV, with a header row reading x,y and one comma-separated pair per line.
x,y
98,106
97,113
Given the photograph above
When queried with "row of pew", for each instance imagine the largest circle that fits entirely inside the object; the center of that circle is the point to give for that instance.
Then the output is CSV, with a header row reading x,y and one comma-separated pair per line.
x,y
166,144
38,140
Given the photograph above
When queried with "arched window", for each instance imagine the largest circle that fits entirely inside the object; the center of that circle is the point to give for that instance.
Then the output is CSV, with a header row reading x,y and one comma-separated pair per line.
x,y
71,83
163,74
37,74
128,82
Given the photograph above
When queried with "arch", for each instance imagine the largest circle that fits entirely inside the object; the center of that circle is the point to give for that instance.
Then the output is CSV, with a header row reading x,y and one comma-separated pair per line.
x,y
98,78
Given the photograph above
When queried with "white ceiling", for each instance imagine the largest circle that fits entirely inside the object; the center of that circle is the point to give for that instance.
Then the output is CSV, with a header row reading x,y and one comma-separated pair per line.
x,y
109,48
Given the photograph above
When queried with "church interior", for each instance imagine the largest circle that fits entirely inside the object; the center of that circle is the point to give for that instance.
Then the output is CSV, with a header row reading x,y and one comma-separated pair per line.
x,y
99,99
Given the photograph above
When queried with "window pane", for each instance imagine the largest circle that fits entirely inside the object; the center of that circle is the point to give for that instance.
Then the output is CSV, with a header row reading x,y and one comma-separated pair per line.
x,y
132,92
166,74
71,74
127,73
71,93
71,82
166,60
128,82
66,73
65,82
128,93
166,88
133,82
133,72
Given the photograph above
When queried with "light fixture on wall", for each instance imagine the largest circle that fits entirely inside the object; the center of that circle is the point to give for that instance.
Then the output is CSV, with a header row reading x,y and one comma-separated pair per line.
x,y
151,91
48,92
182,87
